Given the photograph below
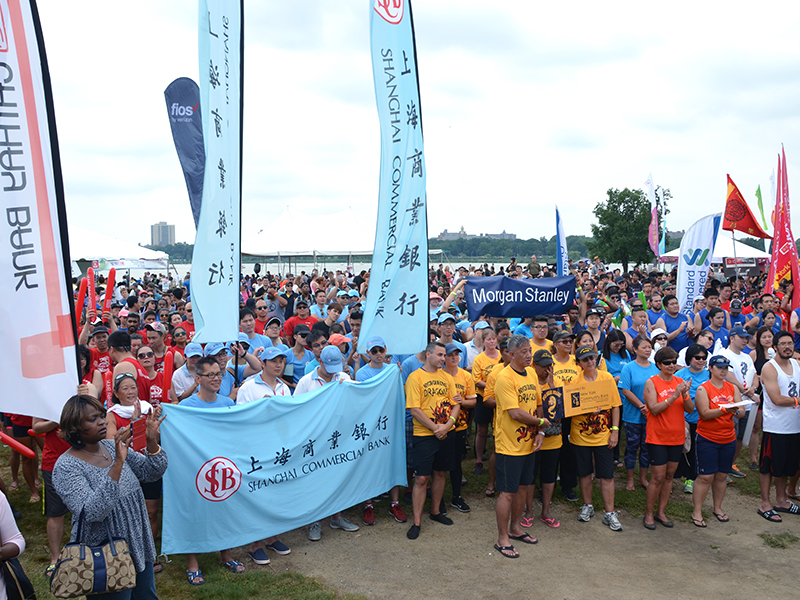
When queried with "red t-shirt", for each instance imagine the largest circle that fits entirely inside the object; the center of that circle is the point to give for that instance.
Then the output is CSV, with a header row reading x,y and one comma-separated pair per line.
x,y
142,380
189,328
157,392
101,361
721,429
21,420
292,322
667,427
54,447
261,326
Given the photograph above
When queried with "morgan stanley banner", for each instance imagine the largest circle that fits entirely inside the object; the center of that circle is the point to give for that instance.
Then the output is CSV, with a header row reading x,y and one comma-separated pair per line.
x,y
506,297
697,248
216,261
397,300
245,473
186,122
37,336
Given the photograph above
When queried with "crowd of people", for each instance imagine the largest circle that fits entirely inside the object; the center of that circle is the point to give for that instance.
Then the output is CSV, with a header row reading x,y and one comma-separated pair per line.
x,y
685,392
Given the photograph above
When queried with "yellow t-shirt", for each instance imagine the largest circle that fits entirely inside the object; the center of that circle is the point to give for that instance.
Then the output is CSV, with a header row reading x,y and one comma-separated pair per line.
x,y
482,366
433,393
488,391
564,373
512,390
593,430
548,345
466,387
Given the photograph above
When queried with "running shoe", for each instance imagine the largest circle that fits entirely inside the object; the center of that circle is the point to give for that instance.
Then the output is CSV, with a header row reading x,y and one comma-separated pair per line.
x,y
369,515
460,504
343,523
397,512
688,487
315,532
736,472
587,512
612,521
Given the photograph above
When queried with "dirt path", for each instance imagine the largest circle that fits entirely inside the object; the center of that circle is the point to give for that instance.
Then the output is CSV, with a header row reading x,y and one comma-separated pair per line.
x,y
576,561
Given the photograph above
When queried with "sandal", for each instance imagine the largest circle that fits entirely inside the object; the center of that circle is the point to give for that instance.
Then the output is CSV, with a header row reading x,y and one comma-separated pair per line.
x,y
48,572
699,522
157,567
793,509
489,493
525,538
13,487
506,551
721,517
195,577
233,566
526,521
770,515
551,522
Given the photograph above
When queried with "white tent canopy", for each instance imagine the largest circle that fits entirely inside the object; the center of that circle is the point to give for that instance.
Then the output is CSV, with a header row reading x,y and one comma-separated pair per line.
x,y
723,249
91,247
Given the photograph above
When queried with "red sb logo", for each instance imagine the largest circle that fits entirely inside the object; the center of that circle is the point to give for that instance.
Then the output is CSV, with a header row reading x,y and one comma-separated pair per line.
x,y
390,10
218,479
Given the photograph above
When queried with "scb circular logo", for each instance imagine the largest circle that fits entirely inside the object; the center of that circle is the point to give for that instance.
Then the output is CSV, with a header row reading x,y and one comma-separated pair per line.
x,y
218,479
390,10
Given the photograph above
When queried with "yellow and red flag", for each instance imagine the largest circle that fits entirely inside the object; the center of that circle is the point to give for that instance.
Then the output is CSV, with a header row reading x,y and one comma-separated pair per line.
x,y
738,215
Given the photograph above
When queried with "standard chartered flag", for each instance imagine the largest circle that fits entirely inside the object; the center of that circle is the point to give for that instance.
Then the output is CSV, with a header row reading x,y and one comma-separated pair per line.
x,y
562,256
697,249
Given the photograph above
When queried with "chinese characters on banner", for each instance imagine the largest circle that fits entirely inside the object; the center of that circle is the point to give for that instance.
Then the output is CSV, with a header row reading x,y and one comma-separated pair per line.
x,y
37,336
397,299
245,473
216,259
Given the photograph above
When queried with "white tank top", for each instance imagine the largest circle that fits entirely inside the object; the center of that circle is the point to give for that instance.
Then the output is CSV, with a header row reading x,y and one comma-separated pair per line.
x,y
783,419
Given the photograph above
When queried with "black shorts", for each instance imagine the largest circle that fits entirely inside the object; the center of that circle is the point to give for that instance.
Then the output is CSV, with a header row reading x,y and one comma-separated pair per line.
x,y
53,504
152,490
546,466
7,421
19,431
660,454
483,414
432,454
713,457
780,454
514,471
603,461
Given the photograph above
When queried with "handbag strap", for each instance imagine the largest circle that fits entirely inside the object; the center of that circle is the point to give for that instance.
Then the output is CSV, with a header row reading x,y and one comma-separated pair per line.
x,y
109,537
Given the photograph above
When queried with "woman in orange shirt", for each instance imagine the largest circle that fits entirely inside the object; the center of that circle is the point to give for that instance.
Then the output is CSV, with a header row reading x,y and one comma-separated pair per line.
x,y
665,433
716,439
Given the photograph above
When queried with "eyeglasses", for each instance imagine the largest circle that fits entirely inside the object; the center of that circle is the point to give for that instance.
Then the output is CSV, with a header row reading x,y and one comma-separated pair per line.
x,y
179,334
667,363
700,357
188,310
302,335
122,376
146,355
377,350
261,308
660,338
210,376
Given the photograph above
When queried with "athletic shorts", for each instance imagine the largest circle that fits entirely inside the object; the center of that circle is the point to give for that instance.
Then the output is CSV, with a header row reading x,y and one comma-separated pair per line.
x,y
740,425
483,414
713,457
432,454
546,466
152,490
780,454
513,471
409,444
53,504
19,431
603,461
659,454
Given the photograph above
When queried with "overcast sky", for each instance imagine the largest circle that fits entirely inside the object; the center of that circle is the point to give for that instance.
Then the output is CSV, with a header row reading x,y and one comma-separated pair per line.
x,y
525,105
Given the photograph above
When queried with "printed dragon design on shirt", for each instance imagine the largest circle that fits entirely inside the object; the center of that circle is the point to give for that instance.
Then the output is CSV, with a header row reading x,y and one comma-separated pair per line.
x,y
441,412
595,424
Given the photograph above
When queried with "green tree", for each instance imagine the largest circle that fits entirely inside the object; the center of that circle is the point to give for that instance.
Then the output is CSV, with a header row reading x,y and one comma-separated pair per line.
x,y
623,220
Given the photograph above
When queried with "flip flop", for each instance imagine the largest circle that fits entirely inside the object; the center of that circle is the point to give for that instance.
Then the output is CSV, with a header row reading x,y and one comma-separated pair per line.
x,y
525,538
526,521
721,517
48,572
699,522
489,493
770,515
233,566
551,522
792,510
503,549
13,487
193,577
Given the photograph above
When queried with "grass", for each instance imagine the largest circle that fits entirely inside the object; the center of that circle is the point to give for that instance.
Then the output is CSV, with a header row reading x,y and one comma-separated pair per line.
x,y
778,540
256,583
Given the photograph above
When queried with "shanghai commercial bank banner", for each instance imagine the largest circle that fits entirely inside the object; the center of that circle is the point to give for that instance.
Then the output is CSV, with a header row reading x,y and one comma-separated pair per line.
x,y
241,474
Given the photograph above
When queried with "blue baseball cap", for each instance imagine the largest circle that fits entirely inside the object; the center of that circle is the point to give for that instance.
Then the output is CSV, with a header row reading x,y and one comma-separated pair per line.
x,y
482,325
353,294
331,359
271,353
214,348
193,350
450,348
445,316
434,315
741,332
243,338
375,342
342,293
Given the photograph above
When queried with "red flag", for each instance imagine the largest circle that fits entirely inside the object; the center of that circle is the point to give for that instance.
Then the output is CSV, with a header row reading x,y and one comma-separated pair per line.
x,y
738,215
784,263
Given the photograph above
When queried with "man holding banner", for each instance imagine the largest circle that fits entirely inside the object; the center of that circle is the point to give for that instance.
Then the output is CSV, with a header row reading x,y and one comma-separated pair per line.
x,y
516,439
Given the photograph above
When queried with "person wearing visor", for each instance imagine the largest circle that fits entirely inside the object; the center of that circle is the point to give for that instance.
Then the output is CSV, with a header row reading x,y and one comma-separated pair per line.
x,y
716,438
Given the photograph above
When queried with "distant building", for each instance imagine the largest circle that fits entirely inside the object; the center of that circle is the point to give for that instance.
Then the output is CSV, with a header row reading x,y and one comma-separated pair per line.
x,y
675,234
463,235
162,234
